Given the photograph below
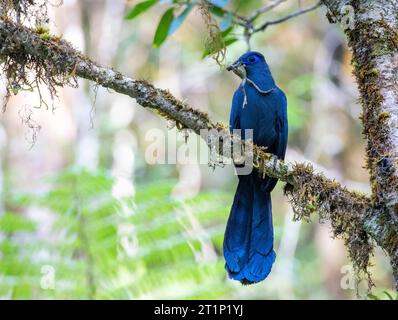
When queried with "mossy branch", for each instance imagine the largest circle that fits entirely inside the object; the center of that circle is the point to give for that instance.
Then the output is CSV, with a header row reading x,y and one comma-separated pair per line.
x,y
57,63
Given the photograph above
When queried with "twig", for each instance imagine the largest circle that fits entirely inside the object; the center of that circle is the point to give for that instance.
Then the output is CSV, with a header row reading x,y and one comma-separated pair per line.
x,y
264,9
288,17
248,22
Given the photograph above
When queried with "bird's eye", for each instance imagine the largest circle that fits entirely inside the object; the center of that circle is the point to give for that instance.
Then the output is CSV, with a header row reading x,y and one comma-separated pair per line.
x,y
252,59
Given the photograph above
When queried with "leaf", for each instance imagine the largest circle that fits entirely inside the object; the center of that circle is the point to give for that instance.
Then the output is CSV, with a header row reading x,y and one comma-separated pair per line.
x,y
230,41
388,295
163,28
140,8
226,22
226,32
217,11
178,21
219,3
13,222
227,42
373,297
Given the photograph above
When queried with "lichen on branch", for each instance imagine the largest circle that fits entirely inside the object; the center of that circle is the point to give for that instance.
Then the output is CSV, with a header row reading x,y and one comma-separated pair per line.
x,y
26,72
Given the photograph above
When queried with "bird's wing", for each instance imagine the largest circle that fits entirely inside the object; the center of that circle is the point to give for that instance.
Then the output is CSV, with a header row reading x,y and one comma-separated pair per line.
x,y
272,130
282,126
237,102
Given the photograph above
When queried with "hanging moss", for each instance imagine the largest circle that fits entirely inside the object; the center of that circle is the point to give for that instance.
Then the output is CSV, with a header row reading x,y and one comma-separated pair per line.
x,y
214,42
312,193
28,72
33,12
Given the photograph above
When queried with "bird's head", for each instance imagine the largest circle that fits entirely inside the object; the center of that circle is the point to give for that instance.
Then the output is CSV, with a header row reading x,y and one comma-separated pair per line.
x,y
248,63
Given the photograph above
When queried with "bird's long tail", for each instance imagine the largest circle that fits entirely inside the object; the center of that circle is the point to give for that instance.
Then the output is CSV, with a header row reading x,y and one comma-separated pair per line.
x,y
248,242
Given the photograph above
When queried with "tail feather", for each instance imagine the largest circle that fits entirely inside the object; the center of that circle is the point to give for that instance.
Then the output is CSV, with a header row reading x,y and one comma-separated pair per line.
x,y
259,266
237,235
248,242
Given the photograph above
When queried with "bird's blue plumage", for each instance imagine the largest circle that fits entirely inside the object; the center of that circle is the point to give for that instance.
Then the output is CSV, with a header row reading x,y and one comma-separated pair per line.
x,y
248,243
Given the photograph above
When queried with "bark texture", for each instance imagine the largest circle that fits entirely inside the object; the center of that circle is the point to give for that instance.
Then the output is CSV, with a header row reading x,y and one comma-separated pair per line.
x,y
373,39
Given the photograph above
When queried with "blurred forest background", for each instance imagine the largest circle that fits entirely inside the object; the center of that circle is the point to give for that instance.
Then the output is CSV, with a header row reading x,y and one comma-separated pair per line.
x,y
84,216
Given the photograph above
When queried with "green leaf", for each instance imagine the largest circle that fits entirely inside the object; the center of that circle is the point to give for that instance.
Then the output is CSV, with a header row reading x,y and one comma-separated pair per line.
x,y
388,295
373,297
227,42
217,11
227,31
140,8
13,222
163,28
178,21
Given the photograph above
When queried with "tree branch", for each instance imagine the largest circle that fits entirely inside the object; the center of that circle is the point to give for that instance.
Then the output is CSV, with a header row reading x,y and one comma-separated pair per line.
x,y
247,22
288,17
352,215
265,8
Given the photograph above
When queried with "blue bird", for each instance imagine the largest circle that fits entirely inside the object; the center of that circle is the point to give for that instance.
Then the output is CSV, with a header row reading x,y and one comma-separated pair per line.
x,y
260,105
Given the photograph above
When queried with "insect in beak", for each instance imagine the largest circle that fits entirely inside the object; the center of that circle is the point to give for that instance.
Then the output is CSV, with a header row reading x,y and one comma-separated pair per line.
x,y
238,68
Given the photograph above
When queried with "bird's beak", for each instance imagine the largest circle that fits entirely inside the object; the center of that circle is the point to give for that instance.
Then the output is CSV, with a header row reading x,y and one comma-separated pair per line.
x,y
238,68
235,65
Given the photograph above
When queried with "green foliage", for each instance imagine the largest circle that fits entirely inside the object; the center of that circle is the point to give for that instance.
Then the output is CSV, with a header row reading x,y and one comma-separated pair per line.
x,y
149,246
386,295
169,23
299,94
13,222
140,8
226,38
163,27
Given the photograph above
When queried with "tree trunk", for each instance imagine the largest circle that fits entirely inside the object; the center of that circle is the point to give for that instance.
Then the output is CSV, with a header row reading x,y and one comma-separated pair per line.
x,y
373,39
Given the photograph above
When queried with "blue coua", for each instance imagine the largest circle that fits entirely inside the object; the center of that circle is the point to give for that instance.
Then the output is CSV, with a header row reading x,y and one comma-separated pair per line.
x,y
260,105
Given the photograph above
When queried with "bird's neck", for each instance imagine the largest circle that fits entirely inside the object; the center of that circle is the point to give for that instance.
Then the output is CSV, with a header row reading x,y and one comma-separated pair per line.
x,y
262,78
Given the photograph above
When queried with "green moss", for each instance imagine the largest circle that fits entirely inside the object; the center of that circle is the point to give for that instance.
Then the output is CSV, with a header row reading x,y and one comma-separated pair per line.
x,y
381,50
42,29
45,36
384,116
369,41
368,73
19,63
311,193
391,239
